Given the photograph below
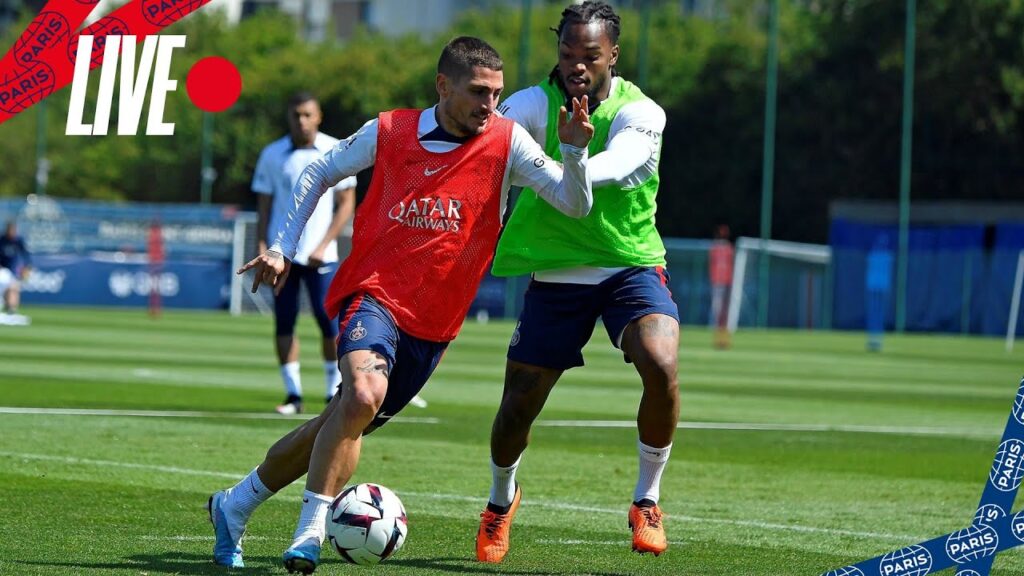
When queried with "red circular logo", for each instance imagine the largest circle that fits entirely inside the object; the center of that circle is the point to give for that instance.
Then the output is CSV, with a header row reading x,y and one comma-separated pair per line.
x,y
213,84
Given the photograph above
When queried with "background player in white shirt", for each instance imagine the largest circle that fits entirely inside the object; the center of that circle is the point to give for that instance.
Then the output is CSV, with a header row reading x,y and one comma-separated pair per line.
x,y
316,259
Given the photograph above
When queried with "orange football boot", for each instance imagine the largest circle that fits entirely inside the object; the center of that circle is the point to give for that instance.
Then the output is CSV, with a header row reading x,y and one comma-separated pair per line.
x,y
648,531
492,538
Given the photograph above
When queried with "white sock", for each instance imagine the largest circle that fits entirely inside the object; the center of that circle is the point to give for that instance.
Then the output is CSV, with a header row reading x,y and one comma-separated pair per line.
x,y
503,486
292,379
333,376
242,499
312,521
652,464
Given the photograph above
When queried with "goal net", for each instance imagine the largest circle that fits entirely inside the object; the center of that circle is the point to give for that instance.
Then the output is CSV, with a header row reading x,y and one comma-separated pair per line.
x,y
245,247
1011,321
799,291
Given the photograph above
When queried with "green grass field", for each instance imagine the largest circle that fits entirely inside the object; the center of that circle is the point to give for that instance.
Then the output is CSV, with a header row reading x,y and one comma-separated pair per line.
x,y
859,454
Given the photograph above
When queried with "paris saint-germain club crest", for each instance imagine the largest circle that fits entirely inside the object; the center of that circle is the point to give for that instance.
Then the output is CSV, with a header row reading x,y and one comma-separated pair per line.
x,y
357,333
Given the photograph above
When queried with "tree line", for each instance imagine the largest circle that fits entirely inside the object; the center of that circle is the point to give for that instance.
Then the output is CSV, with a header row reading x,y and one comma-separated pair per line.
x,y
839,105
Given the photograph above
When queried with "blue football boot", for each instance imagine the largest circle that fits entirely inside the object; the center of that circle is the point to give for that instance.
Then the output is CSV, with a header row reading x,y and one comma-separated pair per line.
x,y
227,550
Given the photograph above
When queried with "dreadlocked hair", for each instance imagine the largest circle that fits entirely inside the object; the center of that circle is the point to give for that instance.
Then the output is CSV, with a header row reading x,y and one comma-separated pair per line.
x,y
585,13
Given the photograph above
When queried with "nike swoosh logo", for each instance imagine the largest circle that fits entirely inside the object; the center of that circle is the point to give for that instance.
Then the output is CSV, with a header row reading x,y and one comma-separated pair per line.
x,y
305,500
254,490
429,172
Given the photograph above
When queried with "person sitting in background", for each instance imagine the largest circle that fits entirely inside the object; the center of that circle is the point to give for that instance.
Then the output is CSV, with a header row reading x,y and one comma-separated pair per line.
x,y
15,264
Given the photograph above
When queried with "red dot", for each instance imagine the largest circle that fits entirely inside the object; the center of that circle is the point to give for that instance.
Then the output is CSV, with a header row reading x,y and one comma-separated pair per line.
x,y
213,84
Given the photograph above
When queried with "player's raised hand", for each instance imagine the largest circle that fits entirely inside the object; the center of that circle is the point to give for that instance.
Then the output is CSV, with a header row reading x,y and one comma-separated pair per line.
x,y
576,130
269,268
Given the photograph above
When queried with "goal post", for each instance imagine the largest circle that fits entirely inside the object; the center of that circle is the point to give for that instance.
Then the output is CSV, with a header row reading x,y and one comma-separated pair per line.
x,y
1011,322
800,280
243,248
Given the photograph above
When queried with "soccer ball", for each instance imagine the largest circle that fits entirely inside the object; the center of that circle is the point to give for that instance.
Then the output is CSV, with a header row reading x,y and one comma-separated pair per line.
x,y
366,523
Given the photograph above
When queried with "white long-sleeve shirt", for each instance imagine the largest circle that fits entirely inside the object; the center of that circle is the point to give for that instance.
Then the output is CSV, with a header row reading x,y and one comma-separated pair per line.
x,y
630,154
527,166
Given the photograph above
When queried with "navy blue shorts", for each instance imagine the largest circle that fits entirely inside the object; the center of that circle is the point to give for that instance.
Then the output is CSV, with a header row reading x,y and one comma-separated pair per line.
x,y
558,319
286,303
366,325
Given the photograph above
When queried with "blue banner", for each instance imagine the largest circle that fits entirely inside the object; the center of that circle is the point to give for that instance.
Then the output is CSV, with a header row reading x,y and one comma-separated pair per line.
x,y
959,278
122,281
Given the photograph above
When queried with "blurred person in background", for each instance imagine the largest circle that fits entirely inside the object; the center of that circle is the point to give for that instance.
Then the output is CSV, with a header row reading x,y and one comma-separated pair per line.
x,y
278,169
15,264
720,263
878,283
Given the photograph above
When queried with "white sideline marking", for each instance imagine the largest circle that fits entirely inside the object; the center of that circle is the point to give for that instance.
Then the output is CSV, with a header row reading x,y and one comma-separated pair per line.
x,y
186,414
478,500
693,519
113,463
914,430
563,541
571,542
198,538
730,426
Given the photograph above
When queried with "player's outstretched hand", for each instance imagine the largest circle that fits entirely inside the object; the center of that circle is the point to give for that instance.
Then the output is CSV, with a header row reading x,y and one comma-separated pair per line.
x,y
576,130
270,268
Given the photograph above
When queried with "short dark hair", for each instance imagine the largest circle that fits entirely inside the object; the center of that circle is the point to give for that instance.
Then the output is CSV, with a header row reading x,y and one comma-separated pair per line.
x,y
464,53
301,97
591,11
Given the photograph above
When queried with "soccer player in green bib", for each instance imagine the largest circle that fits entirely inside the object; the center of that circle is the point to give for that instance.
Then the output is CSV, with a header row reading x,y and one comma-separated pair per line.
x,y
610,264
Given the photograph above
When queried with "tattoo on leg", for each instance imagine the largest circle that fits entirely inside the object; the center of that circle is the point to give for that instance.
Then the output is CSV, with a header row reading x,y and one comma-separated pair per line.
x,y
659,326
525,381
372,365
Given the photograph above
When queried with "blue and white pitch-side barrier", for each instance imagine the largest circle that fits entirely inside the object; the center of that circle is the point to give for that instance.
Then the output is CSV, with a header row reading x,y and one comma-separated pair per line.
x,y
115,280
67,226
971,549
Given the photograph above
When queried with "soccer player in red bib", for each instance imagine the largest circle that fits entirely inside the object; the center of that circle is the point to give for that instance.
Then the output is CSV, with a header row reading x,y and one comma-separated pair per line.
x,y
423,238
